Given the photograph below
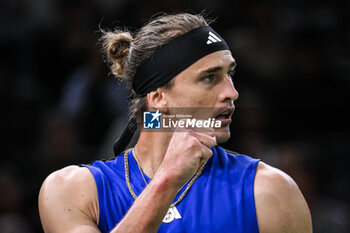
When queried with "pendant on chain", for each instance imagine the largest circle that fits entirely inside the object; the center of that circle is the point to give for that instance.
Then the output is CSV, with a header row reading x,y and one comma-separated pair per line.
x,y
172,214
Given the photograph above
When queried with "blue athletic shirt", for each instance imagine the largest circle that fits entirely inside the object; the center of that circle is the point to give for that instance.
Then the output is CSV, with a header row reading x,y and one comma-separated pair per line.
x,y
220,200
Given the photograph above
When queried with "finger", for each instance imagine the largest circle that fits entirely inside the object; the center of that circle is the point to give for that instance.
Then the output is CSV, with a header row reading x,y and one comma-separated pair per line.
x,y
179,128
183,126
206,130
206,153
205,139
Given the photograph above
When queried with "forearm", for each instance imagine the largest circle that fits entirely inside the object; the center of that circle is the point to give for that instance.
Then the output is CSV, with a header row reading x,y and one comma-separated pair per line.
x,y
149,209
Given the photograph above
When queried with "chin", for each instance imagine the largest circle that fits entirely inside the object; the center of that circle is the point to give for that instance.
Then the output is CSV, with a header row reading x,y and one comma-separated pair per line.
x,y
222,136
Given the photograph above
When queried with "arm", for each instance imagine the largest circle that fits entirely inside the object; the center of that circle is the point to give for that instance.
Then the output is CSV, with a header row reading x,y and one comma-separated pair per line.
x,y
68,201
280,206
149,209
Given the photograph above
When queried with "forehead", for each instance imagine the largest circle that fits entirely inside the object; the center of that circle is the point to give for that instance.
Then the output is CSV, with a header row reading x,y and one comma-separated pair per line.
x,y
221,59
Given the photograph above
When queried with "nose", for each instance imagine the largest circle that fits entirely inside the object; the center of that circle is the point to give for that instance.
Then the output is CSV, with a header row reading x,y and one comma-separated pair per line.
x,y
228,91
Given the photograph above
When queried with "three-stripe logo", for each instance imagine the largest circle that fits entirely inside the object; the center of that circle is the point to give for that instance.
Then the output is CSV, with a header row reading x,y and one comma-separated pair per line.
x,y
212,38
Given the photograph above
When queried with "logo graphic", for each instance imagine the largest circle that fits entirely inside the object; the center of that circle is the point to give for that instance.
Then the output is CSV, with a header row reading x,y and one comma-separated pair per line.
x,y
179,120
151,120
172,214
212,38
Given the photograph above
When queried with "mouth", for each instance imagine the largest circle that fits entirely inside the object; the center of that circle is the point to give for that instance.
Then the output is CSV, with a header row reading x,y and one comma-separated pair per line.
x,y
225,116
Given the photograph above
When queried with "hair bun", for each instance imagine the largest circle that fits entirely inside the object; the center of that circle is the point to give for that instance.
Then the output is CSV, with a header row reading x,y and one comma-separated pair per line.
x,y
117,46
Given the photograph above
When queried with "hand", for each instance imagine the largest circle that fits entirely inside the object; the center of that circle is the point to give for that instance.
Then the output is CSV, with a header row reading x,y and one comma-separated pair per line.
x,y
187,150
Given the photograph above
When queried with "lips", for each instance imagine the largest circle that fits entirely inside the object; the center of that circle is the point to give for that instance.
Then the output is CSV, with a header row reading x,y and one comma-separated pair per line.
x,y
225,116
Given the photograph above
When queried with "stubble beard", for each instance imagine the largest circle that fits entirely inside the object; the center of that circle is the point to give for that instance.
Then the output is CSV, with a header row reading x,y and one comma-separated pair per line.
x,y
222,136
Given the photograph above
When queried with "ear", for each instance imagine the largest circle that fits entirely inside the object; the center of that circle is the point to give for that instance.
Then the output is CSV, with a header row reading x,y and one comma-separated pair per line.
x,y
157,99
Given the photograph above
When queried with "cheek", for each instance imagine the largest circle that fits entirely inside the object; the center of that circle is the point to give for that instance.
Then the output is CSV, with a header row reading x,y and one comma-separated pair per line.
x,y
198,99
205,99
191,96
182,97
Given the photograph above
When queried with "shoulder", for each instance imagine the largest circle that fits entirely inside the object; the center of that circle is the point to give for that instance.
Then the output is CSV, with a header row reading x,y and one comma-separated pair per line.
x,y
235,155
71,174
280,205
70,193
240,161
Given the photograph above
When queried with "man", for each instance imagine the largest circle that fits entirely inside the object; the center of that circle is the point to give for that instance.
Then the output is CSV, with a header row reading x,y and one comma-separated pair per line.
x,y
174,181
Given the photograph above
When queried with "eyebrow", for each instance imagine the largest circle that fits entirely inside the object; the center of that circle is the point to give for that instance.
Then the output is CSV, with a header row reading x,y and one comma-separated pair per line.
x,y
218,68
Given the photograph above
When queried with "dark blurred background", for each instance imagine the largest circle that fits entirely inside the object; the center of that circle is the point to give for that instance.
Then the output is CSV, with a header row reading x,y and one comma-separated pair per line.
x,y
61,106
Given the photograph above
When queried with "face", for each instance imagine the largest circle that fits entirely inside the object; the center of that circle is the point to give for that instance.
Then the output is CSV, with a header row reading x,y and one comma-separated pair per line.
x,y
207,84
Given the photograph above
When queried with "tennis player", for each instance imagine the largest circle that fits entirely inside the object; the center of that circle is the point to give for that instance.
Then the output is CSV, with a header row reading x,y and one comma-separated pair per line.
x,y
178,181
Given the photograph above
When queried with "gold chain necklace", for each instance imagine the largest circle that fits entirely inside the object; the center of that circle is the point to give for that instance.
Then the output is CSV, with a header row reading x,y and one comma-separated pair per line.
x,y
127,178
140,168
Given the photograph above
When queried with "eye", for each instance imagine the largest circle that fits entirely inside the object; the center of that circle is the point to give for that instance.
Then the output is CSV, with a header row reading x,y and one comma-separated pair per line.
x,y
231,73
209,78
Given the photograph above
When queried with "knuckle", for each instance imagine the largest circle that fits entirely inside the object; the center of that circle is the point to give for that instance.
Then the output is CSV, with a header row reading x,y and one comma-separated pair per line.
x,y
192,142
189,133
198,154
207,153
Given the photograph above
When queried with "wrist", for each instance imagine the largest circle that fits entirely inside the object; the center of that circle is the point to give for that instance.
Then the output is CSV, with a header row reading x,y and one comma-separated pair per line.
x,y
166,181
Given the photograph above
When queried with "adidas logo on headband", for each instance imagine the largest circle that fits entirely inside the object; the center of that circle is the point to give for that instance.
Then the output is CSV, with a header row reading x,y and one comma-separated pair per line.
x,y
212,38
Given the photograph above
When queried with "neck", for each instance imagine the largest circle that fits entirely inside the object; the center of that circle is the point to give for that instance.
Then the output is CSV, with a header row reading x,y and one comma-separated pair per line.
x,y
150,150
